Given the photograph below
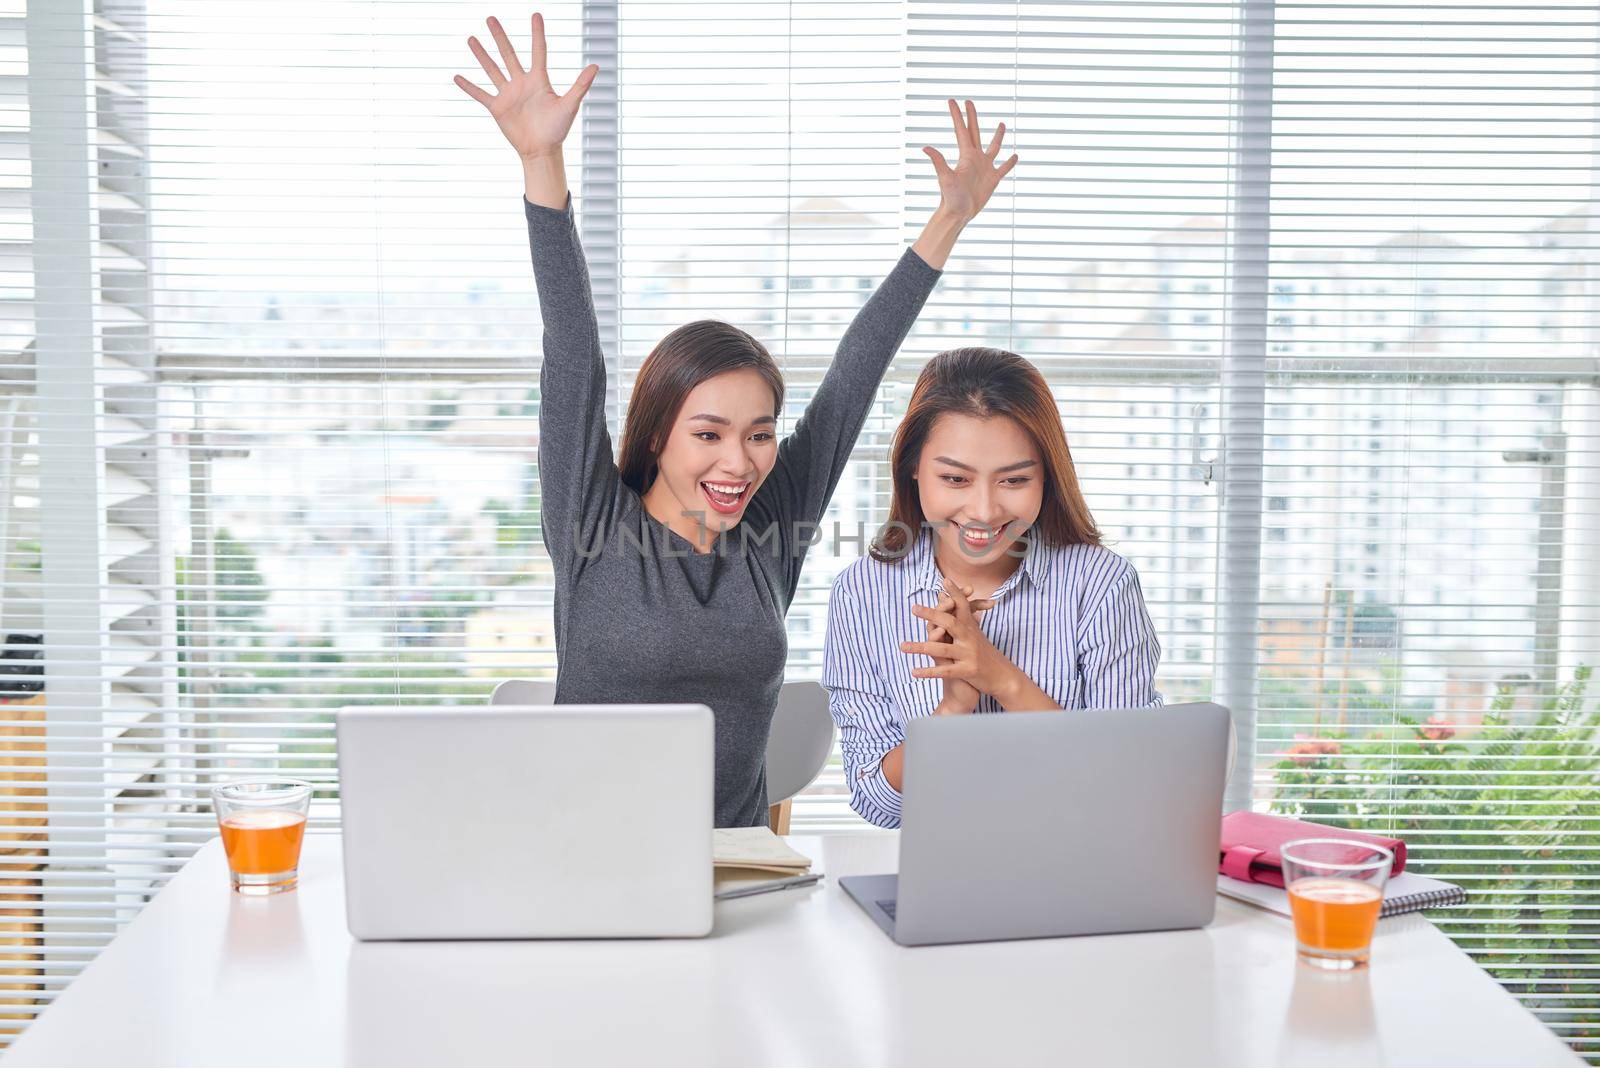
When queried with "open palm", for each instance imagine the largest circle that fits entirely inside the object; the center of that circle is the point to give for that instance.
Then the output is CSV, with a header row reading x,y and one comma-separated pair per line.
x,y
533,117
965,188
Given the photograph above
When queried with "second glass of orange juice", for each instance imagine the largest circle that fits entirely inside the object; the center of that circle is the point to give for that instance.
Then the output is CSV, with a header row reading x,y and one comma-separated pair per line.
x,y
1335,893
263,823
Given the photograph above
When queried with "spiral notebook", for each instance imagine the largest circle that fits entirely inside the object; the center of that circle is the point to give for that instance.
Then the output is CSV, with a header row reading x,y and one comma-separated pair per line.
x,y
1405,893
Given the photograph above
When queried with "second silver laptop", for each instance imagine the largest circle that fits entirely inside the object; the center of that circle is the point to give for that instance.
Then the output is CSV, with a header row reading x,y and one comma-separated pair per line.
x,y
1035,824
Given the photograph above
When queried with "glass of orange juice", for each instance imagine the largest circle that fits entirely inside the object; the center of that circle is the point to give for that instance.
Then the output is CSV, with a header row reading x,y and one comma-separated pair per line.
x,y
1335,892
263,822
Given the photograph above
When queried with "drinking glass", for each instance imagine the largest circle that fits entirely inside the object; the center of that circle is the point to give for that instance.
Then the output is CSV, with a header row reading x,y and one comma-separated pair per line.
x,y
1335,893
263,822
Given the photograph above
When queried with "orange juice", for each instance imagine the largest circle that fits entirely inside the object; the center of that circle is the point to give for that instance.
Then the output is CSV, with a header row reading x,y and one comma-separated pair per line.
x,y
1337,915
263,841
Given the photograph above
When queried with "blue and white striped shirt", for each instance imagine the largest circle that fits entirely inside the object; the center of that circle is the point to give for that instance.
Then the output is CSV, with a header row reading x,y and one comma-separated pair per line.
x,y
1071,617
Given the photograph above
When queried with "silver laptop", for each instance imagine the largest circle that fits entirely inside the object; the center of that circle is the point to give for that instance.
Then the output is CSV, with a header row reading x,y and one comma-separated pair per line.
x,y
1037,824
507,821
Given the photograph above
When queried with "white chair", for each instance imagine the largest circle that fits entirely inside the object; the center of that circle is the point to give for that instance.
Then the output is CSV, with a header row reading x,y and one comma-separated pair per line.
x,y
524,692
797,747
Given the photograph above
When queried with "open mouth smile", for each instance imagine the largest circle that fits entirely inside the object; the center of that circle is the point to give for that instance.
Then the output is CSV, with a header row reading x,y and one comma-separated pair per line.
x,y
726,498
979,539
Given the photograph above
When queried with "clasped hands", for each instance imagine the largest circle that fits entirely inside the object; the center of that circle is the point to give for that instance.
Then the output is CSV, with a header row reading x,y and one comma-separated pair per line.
x,y
964,658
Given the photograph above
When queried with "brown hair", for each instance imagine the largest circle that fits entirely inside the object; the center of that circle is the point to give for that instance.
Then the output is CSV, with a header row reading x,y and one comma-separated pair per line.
x,y
681,361
985,382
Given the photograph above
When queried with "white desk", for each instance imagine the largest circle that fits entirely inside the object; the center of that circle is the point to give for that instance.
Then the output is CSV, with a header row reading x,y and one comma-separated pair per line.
x,y
204,977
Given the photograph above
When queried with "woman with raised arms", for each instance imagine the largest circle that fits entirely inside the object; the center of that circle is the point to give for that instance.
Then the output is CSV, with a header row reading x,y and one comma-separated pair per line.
x,y
988,589
676,563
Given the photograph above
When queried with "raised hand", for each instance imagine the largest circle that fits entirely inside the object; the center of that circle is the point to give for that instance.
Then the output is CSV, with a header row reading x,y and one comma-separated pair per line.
x,y
965,188
533,117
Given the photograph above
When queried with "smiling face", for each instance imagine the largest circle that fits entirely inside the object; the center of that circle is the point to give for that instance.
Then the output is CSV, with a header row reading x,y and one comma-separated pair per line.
x,y
981,483
719,449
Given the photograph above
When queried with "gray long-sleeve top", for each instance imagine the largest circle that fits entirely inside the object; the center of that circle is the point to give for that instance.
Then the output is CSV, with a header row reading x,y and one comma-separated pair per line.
x,y
667,624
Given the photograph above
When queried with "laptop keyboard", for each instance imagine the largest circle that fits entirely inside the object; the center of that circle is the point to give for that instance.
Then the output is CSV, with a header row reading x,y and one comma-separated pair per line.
x,y
888,907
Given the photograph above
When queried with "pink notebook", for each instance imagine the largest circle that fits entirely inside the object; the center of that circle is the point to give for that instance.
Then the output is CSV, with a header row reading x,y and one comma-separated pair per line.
x,y
1251,840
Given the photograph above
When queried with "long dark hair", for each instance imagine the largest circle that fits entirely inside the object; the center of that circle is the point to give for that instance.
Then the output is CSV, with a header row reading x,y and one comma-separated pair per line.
x,y
681,361
984,382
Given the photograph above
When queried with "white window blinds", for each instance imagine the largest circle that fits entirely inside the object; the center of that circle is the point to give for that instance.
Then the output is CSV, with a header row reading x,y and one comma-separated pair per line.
x,y
1313,284
267,421
763,182
1316,283
83,833
1429,592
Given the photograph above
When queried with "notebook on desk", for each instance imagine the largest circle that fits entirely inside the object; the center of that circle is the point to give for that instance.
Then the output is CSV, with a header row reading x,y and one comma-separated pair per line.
x,y
755,849
1405,893
753,860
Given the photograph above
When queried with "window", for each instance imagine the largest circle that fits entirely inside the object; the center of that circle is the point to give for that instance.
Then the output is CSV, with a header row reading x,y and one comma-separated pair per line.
x,y
311,379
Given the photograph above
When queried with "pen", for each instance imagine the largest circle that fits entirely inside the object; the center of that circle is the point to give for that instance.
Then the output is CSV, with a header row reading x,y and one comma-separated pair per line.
x,y
762,888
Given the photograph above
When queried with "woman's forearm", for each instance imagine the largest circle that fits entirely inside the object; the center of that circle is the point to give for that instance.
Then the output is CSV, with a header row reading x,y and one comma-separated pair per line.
x,y
893,765
544,179
1022,694
939,238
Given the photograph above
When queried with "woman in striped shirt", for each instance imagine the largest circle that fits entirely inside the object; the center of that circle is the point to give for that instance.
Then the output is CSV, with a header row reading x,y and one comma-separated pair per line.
x,y
988,589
